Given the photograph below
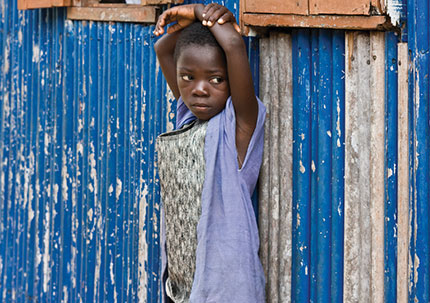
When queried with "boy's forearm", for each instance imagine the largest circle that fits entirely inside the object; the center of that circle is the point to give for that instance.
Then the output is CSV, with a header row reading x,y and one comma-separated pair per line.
x,y
198,12
165,49
228,38
166,44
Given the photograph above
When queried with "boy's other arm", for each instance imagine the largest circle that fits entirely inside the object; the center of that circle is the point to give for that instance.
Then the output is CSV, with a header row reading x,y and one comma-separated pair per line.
x,y
165,48
183,15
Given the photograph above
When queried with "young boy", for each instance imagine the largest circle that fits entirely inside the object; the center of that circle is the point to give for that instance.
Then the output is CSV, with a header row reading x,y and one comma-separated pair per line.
x,y
209,167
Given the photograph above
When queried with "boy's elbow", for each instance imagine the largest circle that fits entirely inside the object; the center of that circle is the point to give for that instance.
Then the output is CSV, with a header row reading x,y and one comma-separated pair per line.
x,y
157,47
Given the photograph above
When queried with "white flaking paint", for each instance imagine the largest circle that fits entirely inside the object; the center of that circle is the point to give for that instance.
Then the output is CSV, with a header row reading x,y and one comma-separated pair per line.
x,y
118,188
36,53
112,280
416,266
394,10
302,168
143,245
47,142
170,112
65,294
90,214
20,37
80,125
80,148
46,248
389,172
64,177
6,53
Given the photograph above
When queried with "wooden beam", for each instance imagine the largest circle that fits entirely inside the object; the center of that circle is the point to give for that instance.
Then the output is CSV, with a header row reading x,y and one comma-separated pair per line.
x,y
31,4
319,21
124,13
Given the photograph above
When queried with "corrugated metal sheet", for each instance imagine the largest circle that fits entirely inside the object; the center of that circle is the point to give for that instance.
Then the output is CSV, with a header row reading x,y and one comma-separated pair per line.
x,y
419,149
302,200
81,105
81,108
328,208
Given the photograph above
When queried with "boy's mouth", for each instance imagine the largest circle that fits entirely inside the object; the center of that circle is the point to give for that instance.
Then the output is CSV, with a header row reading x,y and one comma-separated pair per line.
x,y
200,106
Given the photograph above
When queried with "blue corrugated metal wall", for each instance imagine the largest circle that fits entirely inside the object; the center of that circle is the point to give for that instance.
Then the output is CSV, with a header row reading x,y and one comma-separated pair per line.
x,y
80,111
81,105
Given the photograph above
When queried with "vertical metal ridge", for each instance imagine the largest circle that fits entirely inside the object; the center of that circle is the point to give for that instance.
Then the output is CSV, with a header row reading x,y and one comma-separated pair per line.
x,y
419,45
403,177
391,167
338,166
321,166
301,165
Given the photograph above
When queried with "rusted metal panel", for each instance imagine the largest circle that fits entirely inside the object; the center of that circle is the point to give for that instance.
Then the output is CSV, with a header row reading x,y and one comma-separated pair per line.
x,y
299,7
322,21
352,7
125,13
29,4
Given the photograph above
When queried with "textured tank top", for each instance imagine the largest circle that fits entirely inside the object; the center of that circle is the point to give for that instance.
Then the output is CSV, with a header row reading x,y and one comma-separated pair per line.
x,y
181,167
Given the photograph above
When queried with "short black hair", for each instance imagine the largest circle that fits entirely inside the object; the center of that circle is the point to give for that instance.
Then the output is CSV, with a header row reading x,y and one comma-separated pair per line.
x,y
195,34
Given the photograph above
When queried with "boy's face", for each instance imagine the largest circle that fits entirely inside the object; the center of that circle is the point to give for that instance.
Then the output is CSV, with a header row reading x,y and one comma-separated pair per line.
x,y
202,80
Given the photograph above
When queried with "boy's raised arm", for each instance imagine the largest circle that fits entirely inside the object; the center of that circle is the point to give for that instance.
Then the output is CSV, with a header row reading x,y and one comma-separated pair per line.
x,y
239,74
165,47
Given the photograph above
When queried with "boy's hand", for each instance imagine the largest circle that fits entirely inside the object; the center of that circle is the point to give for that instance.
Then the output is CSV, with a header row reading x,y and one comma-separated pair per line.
x,y
214,12
184,15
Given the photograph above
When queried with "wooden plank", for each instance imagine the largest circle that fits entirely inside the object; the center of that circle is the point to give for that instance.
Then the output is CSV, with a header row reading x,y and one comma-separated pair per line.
x,y
160,2
124,13
403,177
299,7
31,4
321,21
339,7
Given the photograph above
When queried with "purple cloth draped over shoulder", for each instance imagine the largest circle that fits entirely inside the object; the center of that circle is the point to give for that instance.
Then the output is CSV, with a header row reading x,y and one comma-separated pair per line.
x,y
228,268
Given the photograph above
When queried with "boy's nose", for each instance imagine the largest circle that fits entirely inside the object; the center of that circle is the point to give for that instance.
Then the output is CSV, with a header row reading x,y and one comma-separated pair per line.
x,y
200,89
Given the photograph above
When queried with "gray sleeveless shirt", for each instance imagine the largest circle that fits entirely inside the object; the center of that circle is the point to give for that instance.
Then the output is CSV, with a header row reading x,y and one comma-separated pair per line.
x,y
181,167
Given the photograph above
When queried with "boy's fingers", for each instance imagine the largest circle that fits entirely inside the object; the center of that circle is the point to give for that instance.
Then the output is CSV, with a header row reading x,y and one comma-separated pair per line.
x,y
209,12
227,17
174,28
206,8
216,15
236,27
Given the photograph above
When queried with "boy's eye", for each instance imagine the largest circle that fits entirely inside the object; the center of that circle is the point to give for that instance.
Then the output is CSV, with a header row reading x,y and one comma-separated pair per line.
x,y
186,77
216,80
